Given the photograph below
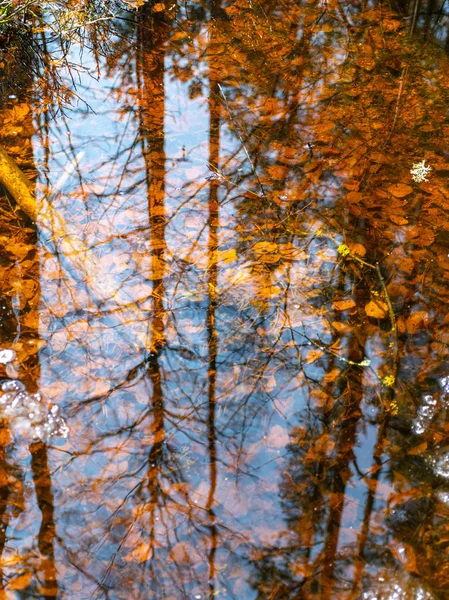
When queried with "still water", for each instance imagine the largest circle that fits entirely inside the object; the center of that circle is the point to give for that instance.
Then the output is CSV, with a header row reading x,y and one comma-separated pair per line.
x,y
235,291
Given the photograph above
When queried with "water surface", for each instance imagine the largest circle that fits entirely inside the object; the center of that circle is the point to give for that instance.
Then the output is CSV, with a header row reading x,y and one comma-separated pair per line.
x,y
237,293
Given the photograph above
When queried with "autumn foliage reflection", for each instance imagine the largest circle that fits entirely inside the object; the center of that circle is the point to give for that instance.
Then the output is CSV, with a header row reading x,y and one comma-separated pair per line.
x,y
249,314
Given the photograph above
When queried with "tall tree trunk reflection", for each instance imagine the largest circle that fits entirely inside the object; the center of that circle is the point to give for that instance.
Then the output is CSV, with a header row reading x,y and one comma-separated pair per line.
x,y
150,70
212,340
47,530
25,302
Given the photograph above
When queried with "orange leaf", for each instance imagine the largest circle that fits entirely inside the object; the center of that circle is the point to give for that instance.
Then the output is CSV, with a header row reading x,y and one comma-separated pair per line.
x,y
21,582
140,554
399,190
313,355
357,249
319,398
416,320
354,197
343,304
418,450
398,220
376,309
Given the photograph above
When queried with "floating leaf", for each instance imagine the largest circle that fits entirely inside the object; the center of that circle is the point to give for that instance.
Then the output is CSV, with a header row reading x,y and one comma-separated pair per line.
x,y
343,304
357,249
376,309
416,320
399,190
426,237
353,197
397,220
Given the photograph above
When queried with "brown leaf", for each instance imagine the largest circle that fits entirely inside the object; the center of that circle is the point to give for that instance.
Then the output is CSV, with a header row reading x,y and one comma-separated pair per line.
x,y
325,445
319,398
417,450
183,553
267,252
332,375
399,190
343,304
353,197
426,237
357,249
416,320
397,220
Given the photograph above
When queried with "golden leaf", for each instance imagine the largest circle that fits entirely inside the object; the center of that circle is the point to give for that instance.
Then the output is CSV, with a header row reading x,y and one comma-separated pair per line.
x,y
376,309
343,304
226,256
267,252
265,247
21,582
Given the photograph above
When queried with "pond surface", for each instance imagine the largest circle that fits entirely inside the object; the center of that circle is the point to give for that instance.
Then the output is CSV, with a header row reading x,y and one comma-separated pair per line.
x,y
235,290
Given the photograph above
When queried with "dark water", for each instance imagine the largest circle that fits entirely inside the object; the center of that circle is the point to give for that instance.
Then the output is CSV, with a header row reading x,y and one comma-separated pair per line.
x,y
236,291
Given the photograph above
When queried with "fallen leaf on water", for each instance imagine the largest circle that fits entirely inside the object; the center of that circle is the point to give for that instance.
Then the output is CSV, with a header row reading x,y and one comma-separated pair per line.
x,y
343,304
397,220
399,190
418,450
353,197
376,309
357,249
416,320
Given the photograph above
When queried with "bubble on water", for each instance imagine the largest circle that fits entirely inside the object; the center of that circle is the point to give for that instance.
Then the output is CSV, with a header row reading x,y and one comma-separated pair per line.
x,y
12,385
30,414
426,413
442,466
384,589
7,356
443,497
444,383
418,427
